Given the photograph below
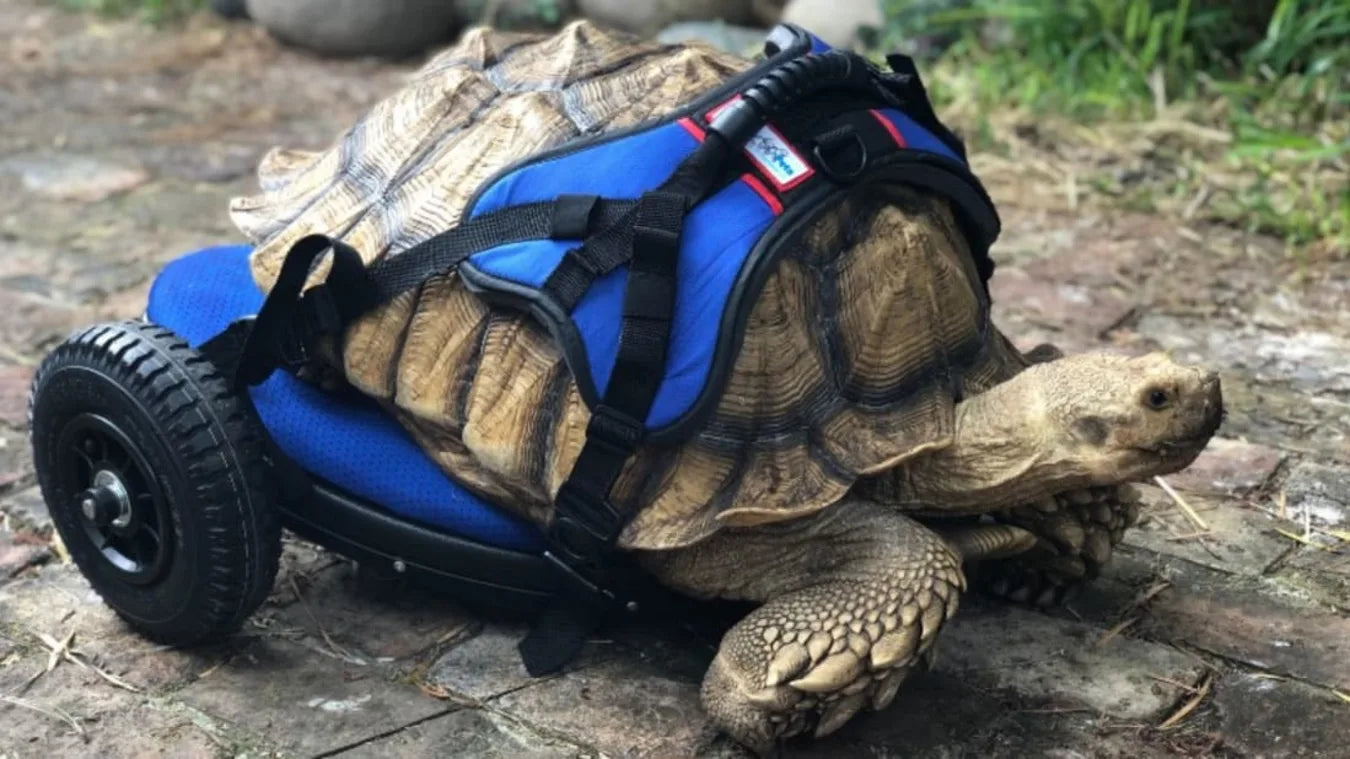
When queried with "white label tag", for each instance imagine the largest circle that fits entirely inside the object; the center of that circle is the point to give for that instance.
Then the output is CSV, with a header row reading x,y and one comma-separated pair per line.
x,y
776,158
773,154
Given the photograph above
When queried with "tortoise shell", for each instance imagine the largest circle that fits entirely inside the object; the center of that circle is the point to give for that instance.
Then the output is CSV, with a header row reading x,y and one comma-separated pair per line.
x,y
861,341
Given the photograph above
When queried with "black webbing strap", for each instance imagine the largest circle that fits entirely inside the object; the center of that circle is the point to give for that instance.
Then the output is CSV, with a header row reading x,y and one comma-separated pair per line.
x,y
289,324
613,246
586,522
581,266
916,103
570,217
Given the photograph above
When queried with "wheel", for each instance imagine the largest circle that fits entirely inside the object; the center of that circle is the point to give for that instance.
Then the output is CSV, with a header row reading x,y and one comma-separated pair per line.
x,y
152,467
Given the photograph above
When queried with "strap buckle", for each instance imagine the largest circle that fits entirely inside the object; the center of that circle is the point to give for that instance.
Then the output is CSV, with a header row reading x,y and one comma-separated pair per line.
x,y
586,523
584,529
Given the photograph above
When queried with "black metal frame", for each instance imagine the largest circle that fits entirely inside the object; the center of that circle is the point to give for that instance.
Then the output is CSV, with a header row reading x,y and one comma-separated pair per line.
x,y
510,581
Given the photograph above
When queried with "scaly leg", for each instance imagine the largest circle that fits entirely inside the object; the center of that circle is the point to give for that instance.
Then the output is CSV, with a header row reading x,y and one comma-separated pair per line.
x,y
853,600
1077,532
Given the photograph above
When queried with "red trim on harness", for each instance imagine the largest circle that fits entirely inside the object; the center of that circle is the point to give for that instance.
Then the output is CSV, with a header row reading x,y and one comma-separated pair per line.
x,y
895,133
693,129
764,193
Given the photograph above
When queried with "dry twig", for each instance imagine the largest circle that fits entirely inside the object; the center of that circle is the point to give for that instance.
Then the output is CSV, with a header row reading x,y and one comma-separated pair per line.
x,y
61,650
1114,631
1180,714
333,648
53,712
1182,504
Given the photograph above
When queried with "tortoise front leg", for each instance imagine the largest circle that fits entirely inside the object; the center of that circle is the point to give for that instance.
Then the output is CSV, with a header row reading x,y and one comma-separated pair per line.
x,y
1076,534
854,598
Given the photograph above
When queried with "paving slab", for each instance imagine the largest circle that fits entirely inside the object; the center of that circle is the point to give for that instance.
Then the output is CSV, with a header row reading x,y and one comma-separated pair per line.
x,y
343,607
1228,467
1319,493
305,703
1260,622
26,509
483,734
1062,663
1244,622
1322,574
14,384
60,708
66,176
135,732
621,706
19,552
937,715
482,665
1241,538
57,602
1268,717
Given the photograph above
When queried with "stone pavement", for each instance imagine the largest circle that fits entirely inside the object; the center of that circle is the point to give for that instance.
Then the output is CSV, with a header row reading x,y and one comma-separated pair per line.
x,y
119,149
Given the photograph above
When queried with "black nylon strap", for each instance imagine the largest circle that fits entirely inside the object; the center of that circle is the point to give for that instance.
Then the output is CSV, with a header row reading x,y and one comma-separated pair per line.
x,y
586,522
613,247
286,325
917,104
530,221
601,254
648,305
617,424
572,216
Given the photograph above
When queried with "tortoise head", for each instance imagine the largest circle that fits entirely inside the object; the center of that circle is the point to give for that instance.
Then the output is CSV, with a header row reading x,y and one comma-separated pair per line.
x,y
1128,418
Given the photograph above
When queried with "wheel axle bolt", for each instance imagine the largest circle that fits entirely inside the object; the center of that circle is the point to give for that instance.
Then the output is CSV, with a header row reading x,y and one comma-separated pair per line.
x,y
89,508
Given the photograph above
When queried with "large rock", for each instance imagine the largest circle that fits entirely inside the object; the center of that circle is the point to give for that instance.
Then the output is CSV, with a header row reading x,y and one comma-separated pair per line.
x,y
515,14
841,24
648,16
358,27
737,40
230,8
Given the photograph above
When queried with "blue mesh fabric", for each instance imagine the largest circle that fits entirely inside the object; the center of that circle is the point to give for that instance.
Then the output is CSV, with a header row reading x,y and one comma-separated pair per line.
x,y
349,440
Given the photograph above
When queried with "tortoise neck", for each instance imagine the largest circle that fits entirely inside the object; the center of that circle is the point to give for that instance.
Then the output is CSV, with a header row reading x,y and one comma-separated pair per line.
x,y
1004,453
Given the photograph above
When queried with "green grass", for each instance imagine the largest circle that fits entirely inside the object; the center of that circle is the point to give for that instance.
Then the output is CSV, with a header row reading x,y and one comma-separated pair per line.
x,y
1271,76
152,11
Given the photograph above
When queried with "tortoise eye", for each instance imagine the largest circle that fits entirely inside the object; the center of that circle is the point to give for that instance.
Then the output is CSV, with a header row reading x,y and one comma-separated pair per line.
x,y
1159,399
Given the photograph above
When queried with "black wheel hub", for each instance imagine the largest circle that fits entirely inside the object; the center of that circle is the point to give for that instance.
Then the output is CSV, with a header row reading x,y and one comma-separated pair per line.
x,y
123,511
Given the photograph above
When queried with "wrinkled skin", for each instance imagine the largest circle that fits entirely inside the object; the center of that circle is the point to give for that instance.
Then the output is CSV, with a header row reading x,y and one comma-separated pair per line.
x,y
854,596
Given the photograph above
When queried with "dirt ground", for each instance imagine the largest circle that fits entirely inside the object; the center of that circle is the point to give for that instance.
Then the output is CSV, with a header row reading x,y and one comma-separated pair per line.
x,y
119,147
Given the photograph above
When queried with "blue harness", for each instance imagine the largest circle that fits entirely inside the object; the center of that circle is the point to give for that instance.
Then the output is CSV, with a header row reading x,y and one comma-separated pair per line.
x,y
642,253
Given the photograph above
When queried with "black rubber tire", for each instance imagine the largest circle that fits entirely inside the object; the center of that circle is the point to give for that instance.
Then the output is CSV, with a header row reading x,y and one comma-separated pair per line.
x,y
203,447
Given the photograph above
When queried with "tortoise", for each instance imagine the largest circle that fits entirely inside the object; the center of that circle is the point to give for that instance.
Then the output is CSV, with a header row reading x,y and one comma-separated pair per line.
x,y
876,431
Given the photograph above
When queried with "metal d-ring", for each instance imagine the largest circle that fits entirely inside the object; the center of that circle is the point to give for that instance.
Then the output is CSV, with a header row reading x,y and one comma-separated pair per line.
x,y
834,173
